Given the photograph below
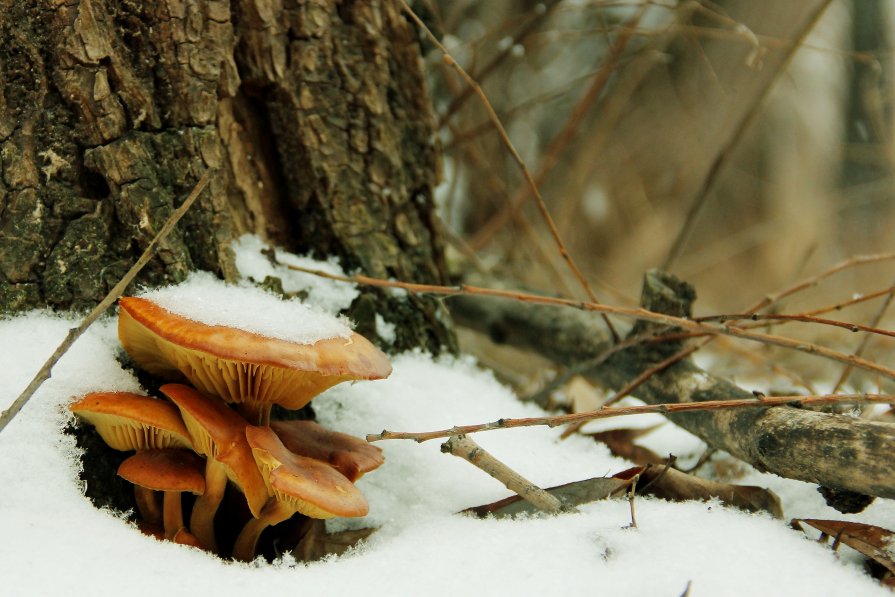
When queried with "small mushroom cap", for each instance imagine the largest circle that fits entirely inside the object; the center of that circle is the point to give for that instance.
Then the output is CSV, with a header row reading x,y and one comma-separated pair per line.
x,y
241,366
165,470
308,486
129,421
218,433
351,456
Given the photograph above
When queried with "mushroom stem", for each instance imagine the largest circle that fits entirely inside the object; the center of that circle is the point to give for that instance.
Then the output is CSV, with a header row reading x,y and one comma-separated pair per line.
x,y
173,513
184,537
206,506
147,504
273,513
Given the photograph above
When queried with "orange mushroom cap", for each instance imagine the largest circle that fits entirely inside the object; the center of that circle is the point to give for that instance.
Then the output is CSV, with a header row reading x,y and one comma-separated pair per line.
x,y
308,486
219,433
351,456
165,470
172,471
129,421
241,366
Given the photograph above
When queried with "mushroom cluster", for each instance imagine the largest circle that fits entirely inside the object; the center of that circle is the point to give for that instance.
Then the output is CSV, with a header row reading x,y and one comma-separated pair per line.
x,y
216,432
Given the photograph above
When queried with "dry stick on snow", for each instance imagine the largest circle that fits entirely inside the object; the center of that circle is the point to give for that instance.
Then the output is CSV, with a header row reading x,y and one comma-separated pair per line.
x,y
73,334
636,313
621,411
632,490
684,353
810,282
536,193
468,450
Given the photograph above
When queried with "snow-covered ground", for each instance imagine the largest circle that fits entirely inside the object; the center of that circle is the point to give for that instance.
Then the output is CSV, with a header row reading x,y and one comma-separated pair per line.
x,y
54,542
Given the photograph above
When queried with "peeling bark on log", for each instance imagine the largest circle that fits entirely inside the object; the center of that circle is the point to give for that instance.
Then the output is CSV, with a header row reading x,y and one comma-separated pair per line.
x,y
833,450
314,114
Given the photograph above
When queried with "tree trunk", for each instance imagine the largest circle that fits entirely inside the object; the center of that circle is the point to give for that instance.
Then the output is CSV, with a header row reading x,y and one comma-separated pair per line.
x,y
313,114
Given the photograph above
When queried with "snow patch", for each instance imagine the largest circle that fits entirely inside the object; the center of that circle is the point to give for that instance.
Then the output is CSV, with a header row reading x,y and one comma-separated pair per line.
x,y
332,296
205,299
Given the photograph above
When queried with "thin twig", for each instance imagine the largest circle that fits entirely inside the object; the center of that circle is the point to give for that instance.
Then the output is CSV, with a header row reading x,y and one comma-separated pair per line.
x,y
761,318
468,450
541,396
632,491
815,279
536,193
864,341
725,152
73,334
771,300
562,140
863,298
641,379
533,24
665,409
626,312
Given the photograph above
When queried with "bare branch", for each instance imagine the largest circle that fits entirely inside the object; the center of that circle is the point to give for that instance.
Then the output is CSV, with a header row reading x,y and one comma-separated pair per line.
x,y
536,193
626,312
621,411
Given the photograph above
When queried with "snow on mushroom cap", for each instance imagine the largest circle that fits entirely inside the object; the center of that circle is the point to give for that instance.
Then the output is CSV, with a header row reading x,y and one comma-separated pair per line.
x,y
205,299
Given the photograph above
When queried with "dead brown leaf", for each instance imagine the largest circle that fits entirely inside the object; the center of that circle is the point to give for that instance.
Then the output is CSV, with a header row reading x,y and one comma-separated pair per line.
x,y
317,543
571,495
872,541
671,484
658,481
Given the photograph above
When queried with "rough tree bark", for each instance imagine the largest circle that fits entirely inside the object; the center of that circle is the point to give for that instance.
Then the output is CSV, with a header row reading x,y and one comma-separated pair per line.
x,y
313,113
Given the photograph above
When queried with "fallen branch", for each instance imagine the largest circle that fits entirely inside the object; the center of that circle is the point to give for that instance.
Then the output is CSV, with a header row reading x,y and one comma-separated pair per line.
x,y
833,450
73,334
465,448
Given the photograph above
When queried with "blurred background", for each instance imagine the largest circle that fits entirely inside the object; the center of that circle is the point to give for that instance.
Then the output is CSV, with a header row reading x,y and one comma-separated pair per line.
x,y
744,145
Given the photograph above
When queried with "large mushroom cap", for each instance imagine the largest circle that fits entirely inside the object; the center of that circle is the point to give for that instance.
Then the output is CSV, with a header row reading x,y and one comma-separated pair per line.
x,y
351,456
129,421
308,486
241,366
